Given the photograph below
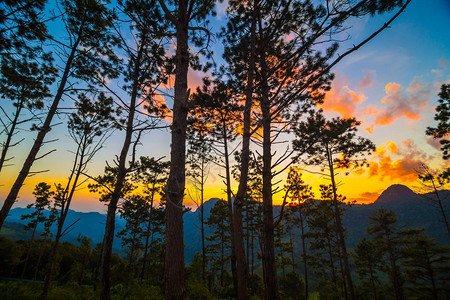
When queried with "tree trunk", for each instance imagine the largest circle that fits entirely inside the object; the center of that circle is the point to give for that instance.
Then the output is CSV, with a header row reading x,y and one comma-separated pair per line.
x,y
7,143
68,195
268,255
202,222
340,229
441,207
108,239
230,206
241,264
174,256
12,196
304,254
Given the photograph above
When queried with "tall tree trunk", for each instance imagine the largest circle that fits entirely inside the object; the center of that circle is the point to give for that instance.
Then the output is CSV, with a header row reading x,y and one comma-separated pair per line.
x,y
108,239
304,253
340,229
268,255
230,206
202,221
68,195
174,256
12,196
241,264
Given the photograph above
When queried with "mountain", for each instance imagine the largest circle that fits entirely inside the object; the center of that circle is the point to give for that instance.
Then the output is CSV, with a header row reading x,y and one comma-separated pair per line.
x,y
90,224
413,211
396,194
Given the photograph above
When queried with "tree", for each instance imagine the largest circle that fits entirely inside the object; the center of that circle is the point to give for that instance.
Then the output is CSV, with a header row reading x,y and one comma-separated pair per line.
x,y
368,263
141,75
298,194
187,18
433,181
287,73
333,145
324,243
134,210
218,248
199,157
427,266
43,196
152,175
221,111
382,226
442,117
86,23
89,127
25,81
86,253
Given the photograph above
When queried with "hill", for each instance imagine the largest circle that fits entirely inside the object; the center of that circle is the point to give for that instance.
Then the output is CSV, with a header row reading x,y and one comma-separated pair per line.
x,y
413,211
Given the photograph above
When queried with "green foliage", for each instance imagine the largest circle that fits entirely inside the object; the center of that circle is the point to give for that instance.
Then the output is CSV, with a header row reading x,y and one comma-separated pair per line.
x,y
219,246
442,116
136,290
197,290
291,286
427,266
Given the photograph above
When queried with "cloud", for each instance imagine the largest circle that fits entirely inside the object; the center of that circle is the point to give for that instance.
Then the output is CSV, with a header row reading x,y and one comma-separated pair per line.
x,y
399,103
367,80
341,99
435,143
408,159
195,79
367,197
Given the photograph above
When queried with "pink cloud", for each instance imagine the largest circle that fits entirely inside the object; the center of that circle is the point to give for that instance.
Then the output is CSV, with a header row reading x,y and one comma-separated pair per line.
x,y
367,80
399,103
341,99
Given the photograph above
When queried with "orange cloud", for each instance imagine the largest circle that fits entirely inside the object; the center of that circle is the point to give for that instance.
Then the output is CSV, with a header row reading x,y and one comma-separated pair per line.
x,y
400,103
341,99
404,168
366,198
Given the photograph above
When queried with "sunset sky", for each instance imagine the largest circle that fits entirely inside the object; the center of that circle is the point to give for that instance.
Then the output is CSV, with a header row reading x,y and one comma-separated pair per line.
x,y
390,84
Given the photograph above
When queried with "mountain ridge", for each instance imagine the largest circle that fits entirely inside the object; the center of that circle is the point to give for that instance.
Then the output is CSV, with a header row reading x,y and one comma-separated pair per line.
x,y
408,205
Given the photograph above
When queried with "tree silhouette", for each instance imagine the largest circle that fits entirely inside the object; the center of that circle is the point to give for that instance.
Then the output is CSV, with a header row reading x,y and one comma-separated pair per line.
x,y
442,116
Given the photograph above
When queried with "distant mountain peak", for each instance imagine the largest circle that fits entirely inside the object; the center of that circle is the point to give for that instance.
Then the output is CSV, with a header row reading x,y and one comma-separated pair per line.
x,y
396,192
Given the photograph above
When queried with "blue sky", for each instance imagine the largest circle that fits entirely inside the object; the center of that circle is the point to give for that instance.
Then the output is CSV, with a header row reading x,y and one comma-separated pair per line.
x,y
390,84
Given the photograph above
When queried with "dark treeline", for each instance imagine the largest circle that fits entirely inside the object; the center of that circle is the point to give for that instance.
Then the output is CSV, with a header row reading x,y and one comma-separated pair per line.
x,y
109,69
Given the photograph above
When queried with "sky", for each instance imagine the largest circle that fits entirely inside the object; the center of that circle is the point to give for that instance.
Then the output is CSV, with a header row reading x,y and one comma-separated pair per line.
x,y
390,85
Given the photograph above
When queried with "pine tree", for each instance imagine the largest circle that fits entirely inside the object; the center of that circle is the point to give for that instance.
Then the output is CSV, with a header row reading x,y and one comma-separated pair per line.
x,y
333,145
187,18
89,127
442,116
382,224
298,194
87,23
43,194
427,266
368,262
219,245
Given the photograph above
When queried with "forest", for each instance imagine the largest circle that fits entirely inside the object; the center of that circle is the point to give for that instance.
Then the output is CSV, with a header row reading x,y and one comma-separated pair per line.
x,y
105,75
